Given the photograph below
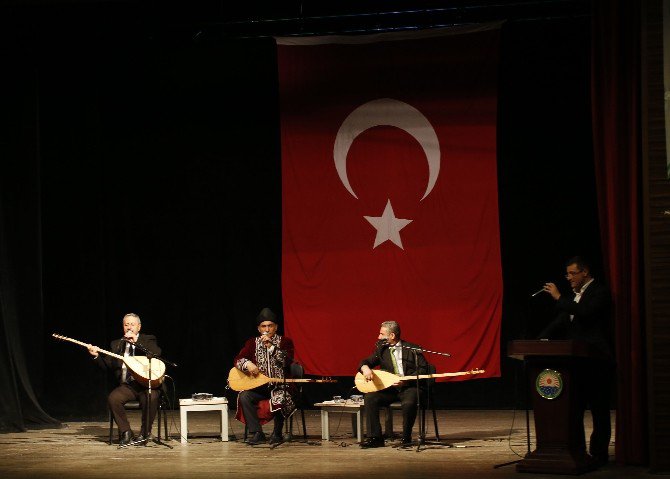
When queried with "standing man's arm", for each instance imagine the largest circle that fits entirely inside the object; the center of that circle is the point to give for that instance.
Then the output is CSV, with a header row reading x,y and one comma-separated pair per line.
x,y
593,305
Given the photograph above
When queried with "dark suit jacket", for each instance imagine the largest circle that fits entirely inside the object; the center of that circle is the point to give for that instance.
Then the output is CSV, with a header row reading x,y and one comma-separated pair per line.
x,y
117,346
382,357
591,321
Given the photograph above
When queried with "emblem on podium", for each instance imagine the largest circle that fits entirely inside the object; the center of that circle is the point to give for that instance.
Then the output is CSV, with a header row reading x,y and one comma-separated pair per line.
x,y
549,384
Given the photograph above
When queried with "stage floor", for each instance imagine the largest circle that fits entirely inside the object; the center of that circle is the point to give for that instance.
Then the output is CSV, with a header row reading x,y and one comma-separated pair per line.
x,y
472,443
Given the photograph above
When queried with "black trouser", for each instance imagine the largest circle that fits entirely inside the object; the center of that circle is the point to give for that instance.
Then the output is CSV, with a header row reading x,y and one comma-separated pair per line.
x,y
248,401
379,399
595,381
132,392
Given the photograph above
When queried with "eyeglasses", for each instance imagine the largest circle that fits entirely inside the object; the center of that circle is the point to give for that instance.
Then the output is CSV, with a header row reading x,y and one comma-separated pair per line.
x,y
573,273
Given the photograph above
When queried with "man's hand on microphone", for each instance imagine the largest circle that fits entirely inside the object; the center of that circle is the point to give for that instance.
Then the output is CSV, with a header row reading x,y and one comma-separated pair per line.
x,y
130,336
552,290
267,340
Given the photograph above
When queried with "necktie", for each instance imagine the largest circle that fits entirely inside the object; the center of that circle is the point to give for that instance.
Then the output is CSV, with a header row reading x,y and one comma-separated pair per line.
x,y
393,358
125,376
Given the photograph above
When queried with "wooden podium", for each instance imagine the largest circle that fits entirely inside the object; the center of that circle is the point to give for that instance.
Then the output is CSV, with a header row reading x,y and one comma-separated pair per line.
x,y
552,367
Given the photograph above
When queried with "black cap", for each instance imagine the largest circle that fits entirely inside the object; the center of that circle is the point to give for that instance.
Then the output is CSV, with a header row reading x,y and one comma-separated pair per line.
x,y
266,314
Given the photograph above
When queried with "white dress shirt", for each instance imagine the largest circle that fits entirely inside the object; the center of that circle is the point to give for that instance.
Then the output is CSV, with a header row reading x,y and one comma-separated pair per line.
x,y
578,295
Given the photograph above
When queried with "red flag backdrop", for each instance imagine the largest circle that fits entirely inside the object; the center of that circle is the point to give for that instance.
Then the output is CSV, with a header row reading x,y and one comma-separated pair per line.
x,y
390,202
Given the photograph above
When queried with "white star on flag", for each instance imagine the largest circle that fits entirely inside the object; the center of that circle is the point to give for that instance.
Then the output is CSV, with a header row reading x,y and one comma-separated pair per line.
x,y
388,226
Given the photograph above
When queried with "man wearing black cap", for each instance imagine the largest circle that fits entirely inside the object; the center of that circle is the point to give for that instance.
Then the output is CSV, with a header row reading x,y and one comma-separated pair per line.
x,y
269,354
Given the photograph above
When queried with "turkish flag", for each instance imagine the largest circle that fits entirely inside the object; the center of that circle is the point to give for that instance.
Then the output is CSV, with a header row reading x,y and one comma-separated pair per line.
x,y
390,201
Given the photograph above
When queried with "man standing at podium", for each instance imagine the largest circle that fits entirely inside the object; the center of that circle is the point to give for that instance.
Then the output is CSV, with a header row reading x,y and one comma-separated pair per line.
x,y
584,315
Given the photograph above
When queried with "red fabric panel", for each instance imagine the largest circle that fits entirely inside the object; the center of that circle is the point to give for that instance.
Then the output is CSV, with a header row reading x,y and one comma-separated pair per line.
x,y
616,127
346,266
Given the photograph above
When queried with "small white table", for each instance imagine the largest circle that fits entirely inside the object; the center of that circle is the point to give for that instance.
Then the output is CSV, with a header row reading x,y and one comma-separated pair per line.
x,y
214,404
348,406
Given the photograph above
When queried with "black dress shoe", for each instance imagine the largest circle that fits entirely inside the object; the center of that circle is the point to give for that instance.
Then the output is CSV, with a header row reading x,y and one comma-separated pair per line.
x,y
276,439
598,460
372,442
142,439
257,438
406,441
126,438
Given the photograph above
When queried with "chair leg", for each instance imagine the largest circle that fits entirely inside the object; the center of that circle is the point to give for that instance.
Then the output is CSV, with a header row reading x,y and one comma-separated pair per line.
x,y
159,422
388,423
304,427
422,413
111,427
437,431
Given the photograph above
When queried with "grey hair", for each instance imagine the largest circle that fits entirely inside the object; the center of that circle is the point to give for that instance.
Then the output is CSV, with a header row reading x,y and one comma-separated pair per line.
x,y
132,315
392,327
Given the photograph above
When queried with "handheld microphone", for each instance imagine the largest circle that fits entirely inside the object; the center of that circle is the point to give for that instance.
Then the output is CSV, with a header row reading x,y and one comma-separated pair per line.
x,y
537,292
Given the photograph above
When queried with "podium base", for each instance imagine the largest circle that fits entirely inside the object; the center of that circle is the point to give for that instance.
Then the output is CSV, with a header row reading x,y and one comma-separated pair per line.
x,y
549,460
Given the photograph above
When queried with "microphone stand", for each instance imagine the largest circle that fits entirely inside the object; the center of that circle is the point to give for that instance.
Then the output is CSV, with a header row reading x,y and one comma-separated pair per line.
x,y
147,414
524,334
421,413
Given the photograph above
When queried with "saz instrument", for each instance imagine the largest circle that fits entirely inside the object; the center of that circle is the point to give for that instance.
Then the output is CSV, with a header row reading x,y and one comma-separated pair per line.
x,y
138,365
384,379
241,381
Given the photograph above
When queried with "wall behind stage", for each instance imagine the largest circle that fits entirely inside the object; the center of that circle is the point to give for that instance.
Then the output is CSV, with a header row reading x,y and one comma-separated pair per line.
x,y
159,193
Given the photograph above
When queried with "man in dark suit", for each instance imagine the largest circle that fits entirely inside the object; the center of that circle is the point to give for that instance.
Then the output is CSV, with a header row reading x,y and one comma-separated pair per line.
x,y
391,354
584,314
129,388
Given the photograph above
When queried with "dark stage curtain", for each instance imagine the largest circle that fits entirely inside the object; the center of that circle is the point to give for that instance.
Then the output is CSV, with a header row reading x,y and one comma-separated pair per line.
x,y
21,307
616,128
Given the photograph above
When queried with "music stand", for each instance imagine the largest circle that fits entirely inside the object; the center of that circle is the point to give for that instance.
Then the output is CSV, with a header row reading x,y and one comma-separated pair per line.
x,y
147,414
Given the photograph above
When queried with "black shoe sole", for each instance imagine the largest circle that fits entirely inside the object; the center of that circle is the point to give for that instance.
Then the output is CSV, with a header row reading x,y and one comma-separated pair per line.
x,y
371,445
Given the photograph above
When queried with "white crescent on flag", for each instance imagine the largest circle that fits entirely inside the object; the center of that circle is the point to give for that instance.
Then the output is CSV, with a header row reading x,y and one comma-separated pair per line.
x,y
387,111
